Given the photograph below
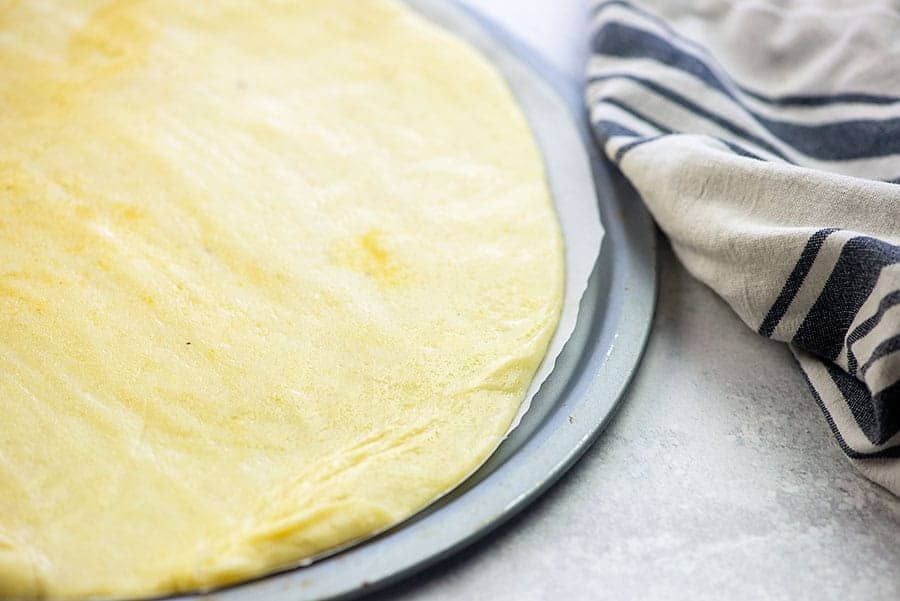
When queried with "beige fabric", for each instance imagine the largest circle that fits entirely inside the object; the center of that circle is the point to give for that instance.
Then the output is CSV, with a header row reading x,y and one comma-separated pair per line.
x,y
764,137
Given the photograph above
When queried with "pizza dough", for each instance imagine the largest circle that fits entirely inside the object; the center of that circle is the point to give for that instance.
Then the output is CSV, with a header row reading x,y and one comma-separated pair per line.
x,y
274,275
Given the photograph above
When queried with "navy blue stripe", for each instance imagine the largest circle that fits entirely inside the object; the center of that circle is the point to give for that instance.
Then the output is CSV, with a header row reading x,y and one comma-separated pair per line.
x,y
858,400
636,113
606,129
740,150
631,145
602,6
851,282
837,140
867,326
735,148
879,420
696,109
811,100
804,100
889,400
624,41
794,281
850,452
891,345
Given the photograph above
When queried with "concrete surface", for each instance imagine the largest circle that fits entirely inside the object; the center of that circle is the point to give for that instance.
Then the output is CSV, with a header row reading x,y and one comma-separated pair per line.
x,y
718,478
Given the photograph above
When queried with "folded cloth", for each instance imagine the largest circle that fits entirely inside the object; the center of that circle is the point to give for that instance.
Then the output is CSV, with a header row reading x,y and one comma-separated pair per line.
x,y
764,137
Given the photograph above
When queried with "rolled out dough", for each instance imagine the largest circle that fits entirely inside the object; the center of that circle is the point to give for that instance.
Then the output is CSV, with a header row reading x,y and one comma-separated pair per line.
x,y
274,275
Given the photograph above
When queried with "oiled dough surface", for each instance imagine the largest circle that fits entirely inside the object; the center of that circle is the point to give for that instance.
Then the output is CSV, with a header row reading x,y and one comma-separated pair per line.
x,y
273,276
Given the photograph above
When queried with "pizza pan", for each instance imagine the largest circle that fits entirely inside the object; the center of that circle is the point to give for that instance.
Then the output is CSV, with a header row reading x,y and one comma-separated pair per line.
x,y
574,403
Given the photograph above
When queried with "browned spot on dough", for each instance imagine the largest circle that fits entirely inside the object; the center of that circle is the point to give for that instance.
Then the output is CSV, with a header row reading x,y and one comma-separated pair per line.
x,y
370,255
112,37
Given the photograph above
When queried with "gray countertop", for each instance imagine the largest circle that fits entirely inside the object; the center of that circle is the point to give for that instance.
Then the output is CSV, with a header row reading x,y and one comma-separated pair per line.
x,y
717,479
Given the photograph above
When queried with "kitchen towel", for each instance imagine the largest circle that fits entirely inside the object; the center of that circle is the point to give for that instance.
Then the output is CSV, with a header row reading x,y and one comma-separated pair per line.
x,y
764,137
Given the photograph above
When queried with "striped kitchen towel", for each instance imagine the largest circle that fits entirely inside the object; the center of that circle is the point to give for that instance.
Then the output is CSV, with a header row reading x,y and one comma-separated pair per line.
x,y
764,137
